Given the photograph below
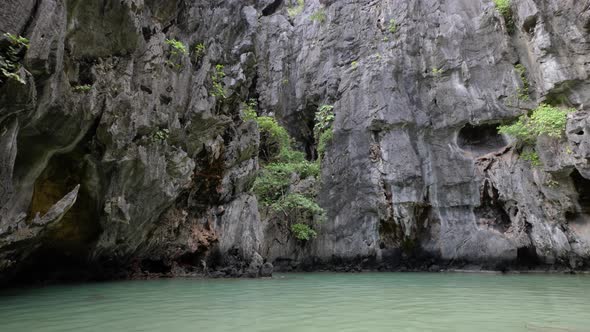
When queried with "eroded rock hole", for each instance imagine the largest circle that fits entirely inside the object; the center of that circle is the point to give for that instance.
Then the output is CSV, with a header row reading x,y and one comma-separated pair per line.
x,y
480,139
530,24
272,8
147,33
165,100
582,186
85,74
527,256
155,266
63,251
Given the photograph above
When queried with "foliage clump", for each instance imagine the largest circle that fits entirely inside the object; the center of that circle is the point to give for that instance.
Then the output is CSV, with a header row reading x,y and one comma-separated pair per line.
x,y
82,88
392,28
10,57
177,51
544,120
523,93
282,168
437,71
161,135
322,130
294,11
199,51
217,79
318,16
303,232
504,8
532,157
250,110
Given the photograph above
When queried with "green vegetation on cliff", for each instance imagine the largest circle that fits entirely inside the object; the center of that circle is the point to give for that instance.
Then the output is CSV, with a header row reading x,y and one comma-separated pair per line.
x,y
505,9
82,88
392,26
217,79
293,11
279,185
199,51
545,120
177,50
10,56
523,93
319,16
322,130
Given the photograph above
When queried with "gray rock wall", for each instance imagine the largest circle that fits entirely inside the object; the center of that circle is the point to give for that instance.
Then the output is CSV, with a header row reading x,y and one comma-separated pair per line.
x,y
148,172
162,166
408,177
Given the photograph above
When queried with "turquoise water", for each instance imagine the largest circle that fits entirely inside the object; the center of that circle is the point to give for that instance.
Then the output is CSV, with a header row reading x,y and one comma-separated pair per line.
x,y
308,302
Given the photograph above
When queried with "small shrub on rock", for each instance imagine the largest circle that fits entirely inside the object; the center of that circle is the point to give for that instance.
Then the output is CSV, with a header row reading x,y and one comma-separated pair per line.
x,y
303,232
294,11
505,9
545,120
177,51
318,16
322,130
217,79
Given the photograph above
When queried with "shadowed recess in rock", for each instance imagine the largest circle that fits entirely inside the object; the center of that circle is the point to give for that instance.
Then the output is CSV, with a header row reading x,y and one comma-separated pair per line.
x,y
480,139
582,186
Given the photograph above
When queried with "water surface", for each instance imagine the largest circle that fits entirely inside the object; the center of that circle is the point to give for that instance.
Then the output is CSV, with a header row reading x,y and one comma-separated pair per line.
x,y
308,302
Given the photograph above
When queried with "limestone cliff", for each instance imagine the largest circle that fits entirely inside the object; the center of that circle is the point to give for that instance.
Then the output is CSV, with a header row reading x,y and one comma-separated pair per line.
x,y
125,151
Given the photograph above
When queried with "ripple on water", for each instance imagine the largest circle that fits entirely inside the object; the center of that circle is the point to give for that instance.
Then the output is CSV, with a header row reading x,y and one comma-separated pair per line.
x,y
308,302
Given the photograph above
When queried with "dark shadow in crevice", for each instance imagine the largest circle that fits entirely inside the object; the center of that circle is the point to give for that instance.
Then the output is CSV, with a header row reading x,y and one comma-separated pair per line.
x,y
300,126
582,186
61,254
527,257
480,139
491,212
530,24
272,8
155,266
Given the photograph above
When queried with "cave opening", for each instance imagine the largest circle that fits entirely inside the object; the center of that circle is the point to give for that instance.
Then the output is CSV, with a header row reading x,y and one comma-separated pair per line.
x,y
527,256
300,126
85,74
480,139
63,250
582,186
155,266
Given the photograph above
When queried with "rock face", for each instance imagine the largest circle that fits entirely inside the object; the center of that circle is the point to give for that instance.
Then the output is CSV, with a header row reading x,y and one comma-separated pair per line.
x,y
417,170
120,157
110,119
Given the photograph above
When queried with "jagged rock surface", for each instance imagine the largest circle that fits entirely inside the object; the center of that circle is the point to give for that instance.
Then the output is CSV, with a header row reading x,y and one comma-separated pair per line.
x,y
162,167
147,172
409,179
